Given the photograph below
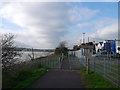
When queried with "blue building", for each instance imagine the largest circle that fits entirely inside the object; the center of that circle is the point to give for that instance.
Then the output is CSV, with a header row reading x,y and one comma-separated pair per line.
x,y
110,46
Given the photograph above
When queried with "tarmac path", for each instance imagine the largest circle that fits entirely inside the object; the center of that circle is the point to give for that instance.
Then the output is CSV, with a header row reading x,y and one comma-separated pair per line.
x,y
60,78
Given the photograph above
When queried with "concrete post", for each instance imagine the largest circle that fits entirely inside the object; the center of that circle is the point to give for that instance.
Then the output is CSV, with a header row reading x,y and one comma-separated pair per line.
x,y
88,61
104,67
88,66
89,56
62,56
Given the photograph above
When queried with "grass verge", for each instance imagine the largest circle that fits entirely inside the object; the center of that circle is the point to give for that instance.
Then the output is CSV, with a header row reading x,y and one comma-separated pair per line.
x,y
35,74
52,55
93,80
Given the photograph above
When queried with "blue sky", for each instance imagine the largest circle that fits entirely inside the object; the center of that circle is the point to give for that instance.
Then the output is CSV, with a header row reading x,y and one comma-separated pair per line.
x,y
9,25
93,18
106,10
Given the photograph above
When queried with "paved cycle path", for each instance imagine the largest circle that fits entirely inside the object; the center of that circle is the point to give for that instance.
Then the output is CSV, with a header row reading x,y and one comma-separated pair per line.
x,y
60,78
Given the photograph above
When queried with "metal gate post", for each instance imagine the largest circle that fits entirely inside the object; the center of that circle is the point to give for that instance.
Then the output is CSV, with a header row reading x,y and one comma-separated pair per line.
x,y
94,63
88,65
104,67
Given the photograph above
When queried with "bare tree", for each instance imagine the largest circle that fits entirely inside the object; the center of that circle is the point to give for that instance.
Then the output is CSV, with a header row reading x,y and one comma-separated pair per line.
x,y
62,44
62,49
9,51
31,56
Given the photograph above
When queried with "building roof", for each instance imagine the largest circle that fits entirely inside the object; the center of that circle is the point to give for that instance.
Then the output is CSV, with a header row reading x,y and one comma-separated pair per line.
x,y
96,44
101,43
84,45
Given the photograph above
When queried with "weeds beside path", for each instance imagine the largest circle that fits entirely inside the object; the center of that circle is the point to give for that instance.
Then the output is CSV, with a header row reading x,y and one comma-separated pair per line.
x,y
94,80
24,78
68,76
35,74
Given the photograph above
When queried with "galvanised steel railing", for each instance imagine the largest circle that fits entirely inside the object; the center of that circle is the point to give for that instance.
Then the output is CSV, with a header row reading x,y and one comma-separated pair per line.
x,y
106,67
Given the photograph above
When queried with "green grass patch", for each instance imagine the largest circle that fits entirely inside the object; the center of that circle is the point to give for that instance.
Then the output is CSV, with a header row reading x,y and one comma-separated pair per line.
x,y
64,57
22,79
54,55
94,80
35,74
50,56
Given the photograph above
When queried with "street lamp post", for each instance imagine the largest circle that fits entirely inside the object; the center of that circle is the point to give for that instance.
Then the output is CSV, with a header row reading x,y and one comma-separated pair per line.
x,y
83,37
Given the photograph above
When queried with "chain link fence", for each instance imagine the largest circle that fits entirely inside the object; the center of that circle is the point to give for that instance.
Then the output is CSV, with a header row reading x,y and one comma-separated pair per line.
x,y
106,67
48,62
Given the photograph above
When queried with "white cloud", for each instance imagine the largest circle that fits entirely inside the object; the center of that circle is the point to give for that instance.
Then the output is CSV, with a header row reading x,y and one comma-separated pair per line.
x,y
109,32
96,24
83,25
83,13
103,29
61,0
44,24
103,22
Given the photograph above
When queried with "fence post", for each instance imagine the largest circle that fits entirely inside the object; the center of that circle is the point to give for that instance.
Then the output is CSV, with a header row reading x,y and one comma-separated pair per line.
x,y
86,61
52,62
104,67
47,63
118,73
94,63
110,64
60,62
62,56
88,65
58,58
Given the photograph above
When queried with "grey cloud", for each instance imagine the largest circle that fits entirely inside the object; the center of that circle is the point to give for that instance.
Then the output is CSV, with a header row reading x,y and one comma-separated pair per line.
x,y
44,23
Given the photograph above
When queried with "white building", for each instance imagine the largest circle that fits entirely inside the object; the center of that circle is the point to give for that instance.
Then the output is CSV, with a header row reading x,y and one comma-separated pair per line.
x,y
117,47
96,47
99,46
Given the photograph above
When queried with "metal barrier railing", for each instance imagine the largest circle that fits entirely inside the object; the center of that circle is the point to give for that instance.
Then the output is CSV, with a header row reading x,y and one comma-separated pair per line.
x,y
106,67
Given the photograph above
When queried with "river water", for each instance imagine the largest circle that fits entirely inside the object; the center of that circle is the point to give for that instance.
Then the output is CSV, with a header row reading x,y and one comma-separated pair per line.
x,y
25,56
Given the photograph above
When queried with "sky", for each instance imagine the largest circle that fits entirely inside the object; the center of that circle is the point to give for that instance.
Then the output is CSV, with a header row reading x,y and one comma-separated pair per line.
x,y
45,24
